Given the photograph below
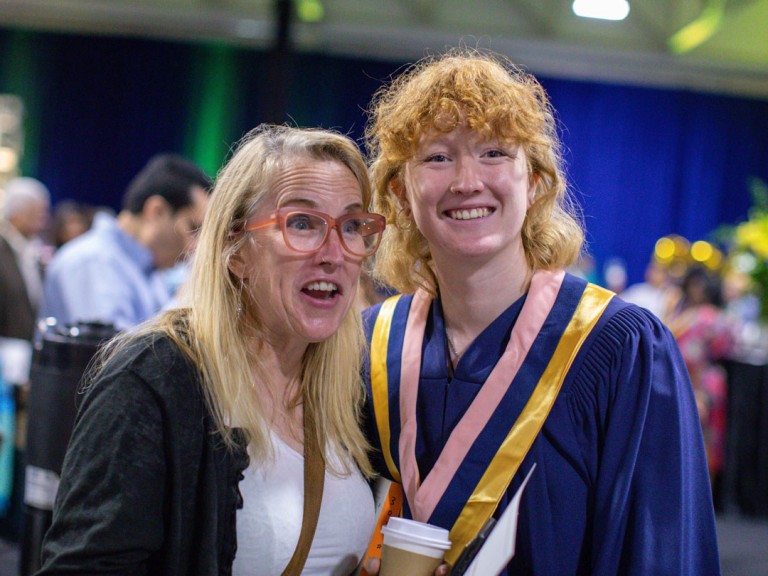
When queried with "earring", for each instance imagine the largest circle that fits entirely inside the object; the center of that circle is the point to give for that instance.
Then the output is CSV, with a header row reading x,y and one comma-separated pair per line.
x,y
239,306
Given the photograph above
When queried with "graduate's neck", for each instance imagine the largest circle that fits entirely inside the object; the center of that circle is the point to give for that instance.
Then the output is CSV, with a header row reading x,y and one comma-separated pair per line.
x,y
473,297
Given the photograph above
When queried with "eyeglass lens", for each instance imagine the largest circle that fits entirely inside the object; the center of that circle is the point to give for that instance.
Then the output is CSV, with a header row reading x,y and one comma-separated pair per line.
x,y
359,234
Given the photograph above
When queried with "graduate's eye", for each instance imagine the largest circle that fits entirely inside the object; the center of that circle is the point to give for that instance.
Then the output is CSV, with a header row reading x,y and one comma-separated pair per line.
x,y
496,153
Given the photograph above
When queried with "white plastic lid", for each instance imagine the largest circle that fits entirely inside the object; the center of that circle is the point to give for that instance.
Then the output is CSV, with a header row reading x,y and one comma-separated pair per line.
x,y
416,532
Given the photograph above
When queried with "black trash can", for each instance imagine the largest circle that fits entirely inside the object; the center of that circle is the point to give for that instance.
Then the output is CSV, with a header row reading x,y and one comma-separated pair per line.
x,y
58,364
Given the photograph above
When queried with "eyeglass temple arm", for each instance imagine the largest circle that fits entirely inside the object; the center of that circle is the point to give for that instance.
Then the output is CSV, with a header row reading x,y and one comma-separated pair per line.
x,y
253,227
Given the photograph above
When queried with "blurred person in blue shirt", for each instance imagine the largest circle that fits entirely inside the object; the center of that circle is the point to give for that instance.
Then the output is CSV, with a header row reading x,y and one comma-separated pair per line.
x,y
110,273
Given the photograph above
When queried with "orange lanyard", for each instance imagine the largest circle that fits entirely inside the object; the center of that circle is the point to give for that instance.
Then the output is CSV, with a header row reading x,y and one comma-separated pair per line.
x,y
393,505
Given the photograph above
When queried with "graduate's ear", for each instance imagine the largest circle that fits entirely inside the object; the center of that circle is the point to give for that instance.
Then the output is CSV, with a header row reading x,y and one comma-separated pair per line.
x,y
533,184
397,188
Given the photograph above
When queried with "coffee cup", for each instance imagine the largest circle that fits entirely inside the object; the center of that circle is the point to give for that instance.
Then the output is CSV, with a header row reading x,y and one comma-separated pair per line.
x,y
412,548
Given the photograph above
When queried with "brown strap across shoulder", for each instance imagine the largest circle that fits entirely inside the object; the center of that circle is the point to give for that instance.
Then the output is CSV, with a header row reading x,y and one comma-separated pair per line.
x,y
314,479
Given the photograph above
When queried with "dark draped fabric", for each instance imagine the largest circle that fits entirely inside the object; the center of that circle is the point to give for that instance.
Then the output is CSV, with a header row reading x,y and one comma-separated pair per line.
x,y
643,162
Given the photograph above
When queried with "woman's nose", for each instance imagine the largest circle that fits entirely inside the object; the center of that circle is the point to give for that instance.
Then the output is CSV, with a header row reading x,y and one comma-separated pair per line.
x,y
468,178
332,252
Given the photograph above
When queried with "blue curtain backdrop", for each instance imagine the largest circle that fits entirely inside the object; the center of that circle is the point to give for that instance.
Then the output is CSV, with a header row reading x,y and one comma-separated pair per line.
x,y
643,162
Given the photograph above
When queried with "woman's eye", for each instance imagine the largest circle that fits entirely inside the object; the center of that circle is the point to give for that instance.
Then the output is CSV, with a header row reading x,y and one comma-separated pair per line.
x,y
352,226
299,222
436,158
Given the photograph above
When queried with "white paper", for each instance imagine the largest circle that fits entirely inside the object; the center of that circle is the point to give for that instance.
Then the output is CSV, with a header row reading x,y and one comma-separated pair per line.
x,y
499,547
16,360
40,487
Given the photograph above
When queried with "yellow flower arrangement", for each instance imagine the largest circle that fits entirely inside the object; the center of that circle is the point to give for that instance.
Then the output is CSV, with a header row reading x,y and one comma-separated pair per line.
x,y
748,242
752,235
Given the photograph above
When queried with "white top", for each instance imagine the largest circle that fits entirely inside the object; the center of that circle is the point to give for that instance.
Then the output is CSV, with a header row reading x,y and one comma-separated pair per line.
x,y
269,523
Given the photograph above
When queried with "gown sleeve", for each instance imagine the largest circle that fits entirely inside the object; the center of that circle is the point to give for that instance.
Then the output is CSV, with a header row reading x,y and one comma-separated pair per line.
x,y
108,514
652,506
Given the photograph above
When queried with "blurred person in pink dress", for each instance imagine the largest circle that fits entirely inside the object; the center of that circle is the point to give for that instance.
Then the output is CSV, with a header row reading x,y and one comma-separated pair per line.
x,y
705,338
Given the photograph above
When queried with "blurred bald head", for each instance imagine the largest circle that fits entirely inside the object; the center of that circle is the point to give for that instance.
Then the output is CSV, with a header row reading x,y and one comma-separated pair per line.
x,y
26,205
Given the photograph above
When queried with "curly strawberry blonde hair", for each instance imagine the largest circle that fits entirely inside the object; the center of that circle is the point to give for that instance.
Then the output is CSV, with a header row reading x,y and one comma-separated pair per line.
x,y
490,95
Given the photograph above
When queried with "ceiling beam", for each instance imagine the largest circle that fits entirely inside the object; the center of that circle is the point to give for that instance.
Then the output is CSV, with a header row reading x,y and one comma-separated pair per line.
x,y
537,14
398,41
642,16
423,11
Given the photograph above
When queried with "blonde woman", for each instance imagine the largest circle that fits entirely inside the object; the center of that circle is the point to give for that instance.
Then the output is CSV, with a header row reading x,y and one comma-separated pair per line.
x,y
494,359
191,449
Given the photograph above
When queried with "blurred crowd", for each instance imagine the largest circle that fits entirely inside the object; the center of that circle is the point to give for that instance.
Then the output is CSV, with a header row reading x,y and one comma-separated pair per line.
x,y
711,309
80,263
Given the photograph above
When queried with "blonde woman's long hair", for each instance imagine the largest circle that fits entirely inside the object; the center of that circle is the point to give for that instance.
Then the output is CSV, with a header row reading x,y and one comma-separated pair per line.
x,y
492,96
215,321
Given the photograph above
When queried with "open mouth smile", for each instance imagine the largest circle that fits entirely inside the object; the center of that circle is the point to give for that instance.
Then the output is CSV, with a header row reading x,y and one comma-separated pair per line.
x,y
321,290
469,214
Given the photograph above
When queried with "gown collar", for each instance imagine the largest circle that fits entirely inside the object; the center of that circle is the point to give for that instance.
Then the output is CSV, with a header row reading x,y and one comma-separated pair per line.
x,y
480,356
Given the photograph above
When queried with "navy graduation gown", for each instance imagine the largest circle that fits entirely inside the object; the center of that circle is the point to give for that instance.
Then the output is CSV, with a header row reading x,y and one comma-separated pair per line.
x,y
621,485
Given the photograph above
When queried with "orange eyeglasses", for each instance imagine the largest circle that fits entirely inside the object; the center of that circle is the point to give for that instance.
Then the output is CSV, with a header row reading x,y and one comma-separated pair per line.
x,y
307,231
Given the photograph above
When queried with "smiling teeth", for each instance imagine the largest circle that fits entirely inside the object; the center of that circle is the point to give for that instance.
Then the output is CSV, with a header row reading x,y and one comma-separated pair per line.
x,y
322,286
469,214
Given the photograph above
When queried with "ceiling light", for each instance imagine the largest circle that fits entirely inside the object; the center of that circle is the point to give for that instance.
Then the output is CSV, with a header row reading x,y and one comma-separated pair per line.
x,y
310,10
602,9
700,30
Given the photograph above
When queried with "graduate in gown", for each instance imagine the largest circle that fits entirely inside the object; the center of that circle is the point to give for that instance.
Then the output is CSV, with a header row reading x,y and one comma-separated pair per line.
x,y
494,359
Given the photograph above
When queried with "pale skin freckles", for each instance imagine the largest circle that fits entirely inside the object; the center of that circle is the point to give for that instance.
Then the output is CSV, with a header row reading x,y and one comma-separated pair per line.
x,y
280,276
469,195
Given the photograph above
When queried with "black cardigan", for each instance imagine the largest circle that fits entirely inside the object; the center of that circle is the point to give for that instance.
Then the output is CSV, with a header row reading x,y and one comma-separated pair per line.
x,y
147,487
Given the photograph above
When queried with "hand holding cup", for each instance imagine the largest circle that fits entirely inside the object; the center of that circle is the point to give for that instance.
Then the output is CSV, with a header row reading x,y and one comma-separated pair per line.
x,y
412,548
